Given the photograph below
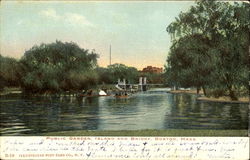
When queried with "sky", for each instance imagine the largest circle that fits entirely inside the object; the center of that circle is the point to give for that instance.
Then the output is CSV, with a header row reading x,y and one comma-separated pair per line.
x,y
136,31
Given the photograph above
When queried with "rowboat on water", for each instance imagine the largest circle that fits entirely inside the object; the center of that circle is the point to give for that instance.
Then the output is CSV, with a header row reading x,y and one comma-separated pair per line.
x,y
93,95
122,96
90,94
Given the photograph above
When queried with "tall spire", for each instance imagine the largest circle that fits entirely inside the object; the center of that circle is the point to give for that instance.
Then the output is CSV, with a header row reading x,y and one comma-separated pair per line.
x,y
110,55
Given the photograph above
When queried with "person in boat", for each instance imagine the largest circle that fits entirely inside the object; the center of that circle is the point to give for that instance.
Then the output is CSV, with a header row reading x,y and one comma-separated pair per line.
x,y
118,94
89,92
84,92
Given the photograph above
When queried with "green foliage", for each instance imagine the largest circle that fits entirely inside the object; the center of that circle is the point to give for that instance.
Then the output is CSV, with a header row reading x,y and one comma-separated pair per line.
x,y
112,73
58,66
121,71
104,75
218,92
189,63
154,78
210,47
10,72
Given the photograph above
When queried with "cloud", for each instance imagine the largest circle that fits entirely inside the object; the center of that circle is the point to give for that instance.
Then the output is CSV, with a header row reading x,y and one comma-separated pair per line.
x,y
77,19
68,18
20,22
50,13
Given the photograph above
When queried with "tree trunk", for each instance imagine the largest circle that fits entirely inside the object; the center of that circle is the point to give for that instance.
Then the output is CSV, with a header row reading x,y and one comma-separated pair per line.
x,y
204,90
198,90
232,95
231,92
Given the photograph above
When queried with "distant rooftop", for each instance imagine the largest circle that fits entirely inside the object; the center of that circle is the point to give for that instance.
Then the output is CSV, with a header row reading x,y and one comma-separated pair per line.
x,y
151,69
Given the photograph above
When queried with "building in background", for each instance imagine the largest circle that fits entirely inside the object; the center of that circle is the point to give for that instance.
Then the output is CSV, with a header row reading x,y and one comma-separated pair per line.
x,y
151,69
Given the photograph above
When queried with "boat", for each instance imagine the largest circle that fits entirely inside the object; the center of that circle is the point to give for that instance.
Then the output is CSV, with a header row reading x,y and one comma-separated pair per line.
x,y
89,94
95,95
121,96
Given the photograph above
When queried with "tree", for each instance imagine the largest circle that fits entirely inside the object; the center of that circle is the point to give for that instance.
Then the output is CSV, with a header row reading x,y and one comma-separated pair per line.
x,y
153,78
189,64
225,29
232,49
58,66
104,75
121,71
10,72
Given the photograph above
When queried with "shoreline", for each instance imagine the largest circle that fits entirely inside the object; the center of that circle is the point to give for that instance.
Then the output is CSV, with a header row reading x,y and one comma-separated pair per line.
x,y
185,91
7,91
223,100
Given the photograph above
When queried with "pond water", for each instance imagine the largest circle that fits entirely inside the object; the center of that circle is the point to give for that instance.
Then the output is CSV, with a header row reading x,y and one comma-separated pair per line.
x,y
154,109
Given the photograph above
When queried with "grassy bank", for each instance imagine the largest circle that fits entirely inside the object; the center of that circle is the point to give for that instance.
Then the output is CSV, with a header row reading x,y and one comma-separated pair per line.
x,y
172,132
10,90
192,91
223,99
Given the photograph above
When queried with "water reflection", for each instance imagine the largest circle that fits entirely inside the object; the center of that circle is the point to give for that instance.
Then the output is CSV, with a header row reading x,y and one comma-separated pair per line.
x,y
186,113
148,110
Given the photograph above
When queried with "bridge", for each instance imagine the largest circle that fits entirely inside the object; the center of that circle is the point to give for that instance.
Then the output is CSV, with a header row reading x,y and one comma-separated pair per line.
x,y
141,86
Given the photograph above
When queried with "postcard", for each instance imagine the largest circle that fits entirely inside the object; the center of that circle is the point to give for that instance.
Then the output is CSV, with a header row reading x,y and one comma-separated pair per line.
x,y
124,79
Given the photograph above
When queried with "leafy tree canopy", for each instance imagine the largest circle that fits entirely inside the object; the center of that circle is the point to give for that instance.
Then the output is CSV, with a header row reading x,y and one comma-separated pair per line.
x,y
210,46
10,72
58,66
120,71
